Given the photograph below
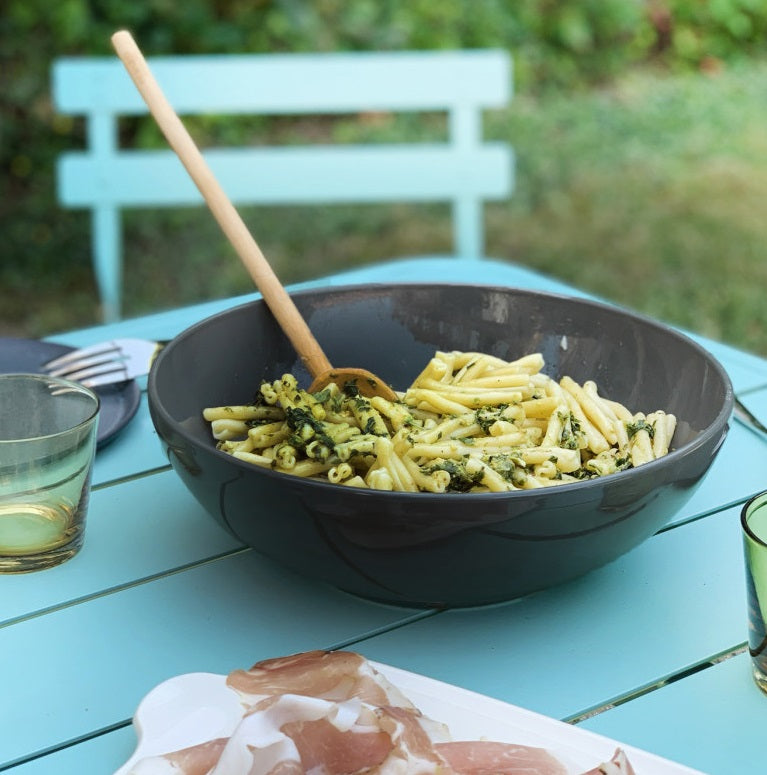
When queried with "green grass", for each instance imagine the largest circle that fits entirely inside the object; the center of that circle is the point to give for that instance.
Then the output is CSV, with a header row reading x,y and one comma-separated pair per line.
x,y
650,193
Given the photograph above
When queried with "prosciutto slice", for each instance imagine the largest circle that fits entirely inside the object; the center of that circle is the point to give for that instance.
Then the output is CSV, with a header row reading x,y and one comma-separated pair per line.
x,y
291,733
618,765
480,757
329,675
195,760
332,713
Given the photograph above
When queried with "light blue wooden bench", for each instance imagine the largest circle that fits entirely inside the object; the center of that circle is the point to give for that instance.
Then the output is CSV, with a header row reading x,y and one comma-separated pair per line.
x,y
465,170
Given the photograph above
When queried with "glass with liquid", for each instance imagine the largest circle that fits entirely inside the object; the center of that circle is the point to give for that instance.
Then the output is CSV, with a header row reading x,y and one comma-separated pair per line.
x,y
754,521
48,430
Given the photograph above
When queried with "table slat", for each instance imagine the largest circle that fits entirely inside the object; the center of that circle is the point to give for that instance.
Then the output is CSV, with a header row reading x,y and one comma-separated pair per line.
x,y
133,532
673,601
135,450
85,667
713,720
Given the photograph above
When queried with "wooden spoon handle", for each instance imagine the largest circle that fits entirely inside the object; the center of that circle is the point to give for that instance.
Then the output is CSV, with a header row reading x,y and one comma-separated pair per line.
x,y
275,295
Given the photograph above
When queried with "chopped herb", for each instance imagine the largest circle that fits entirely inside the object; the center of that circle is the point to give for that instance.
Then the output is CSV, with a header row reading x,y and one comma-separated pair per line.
x,y
638,426
299,420
460,479
486,416
351,389
322,395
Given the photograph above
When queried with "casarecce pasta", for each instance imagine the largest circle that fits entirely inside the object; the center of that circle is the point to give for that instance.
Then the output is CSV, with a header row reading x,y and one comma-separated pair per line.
x,y
470,422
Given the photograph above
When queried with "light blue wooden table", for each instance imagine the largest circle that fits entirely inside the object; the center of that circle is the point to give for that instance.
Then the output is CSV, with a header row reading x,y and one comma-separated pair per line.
x,y
648,650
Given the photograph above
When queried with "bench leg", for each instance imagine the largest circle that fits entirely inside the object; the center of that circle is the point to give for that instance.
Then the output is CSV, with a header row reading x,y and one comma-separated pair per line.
x,y
468,228
107,261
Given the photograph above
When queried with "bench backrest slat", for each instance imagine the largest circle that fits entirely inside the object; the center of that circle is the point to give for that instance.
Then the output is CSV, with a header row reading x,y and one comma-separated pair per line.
x,y
334,173
292,83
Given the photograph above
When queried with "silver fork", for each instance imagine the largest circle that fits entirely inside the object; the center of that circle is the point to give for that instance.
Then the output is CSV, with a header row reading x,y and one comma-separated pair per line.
x,y
117,360
747,417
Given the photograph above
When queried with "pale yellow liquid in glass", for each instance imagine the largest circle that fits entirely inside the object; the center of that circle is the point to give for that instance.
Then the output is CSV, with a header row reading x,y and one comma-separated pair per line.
x,y
32,527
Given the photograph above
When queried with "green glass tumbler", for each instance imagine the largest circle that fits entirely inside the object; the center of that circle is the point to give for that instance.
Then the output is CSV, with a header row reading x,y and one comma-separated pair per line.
x,y
753,518
48,431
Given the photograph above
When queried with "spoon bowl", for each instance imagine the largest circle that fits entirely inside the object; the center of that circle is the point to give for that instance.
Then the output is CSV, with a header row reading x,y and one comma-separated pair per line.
x,y
366,383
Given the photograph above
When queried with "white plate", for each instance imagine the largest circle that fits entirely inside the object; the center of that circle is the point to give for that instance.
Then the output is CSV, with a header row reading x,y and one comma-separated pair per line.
x,y
192,708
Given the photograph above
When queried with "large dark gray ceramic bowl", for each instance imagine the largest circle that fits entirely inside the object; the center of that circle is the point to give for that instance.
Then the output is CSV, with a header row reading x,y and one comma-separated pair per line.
x,y
453,549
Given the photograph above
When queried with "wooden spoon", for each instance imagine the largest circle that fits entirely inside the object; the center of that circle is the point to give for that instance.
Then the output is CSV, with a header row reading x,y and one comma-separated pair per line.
x,y
273,292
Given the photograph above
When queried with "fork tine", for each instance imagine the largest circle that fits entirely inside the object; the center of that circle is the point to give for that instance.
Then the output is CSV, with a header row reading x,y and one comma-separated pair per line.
x,y
104,379
103,348
105,363
114,368
77,366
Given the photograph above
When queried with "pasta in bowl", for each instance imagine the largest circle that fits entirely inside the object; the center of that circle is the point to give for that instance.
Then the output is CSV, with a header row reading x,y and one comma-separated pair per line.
x,y
509,518
470,422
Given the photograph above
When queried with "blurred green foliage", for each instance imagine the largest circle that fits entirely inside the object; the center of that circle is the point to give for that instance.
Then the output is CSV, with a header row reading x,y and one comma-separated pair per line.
x,y
559,46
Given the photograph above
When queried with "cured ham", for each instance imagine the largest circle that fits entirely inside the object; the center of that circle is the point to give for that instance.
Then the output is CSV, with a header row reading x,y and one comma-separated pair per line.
x,y
288,734
618,765
329,675
195,760
480,757
332,713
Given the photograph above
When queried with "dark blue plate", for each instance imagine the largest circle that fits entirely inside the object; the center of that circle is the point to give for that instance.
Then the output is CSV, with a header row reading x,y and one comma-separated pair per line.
x,y
118,402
